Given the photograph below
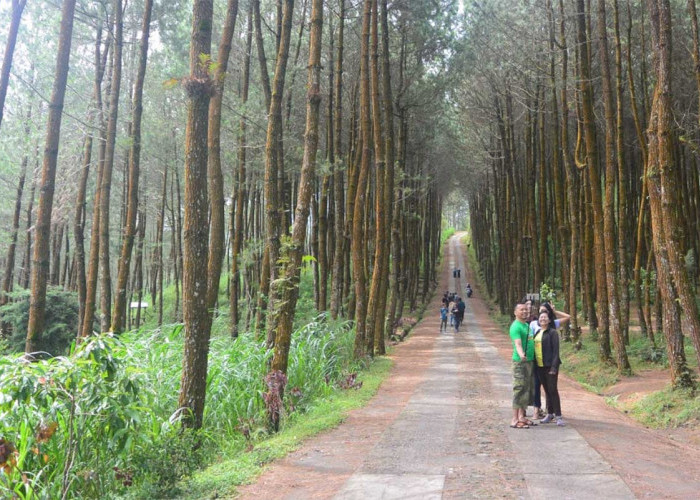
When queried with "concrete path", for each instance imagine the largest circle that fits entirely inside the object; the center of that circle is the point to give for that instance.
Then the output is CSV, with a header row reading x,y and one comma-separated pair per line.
x,y
439,428
419,450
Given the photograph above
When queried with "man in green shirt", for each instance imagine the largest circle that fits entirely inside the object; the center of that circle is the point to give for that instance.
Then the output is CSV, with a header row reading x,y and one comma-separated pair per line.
x,y
523,355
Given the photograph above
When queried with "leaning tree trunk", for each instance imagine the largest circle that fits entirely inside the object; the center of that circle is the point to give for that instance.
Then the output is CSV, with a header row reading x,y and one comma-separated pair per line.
x,y
119,313
40,268
663,173
17,8
216,178
287,288
199,89
274,197
659,135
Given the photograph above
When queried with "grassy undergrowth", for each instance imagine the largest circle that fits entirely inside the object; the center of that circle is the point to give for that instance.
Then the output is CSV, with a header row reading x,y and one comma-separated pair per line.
x,y
665,409
241,462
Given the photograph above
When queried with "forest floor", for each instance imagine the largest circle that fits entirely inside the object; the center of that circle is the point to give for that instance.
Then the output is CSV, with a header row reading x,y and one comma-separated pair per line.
x,y
439,428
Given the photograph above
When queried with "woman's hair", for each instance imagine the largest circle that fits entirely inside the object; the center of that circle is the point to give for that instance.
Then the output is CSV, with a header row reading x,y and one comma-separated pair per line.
x,y
550,312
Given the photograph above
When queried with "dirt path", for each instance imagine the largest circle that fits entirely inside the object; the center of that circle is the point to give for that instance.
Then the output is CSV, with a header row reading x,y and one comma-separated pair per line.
x,y
438,428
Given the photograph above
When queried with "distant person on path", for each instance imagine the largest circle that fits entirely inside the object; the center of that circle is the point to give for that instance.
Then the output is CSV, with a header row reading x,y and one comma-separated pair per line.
x,y
452,307
443,318
523,354
461,306
556,320
547,358
469,291
456,272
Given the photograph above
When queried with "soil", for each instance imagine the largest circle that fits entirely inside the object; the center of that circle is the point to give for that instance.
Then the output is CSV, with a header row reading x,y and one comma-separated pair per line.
x,y
652,463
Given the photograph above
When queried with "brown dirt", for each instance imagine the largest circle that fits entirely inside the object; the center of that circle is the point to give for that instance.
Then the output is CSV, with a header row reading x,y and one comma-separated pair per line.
x,y
650,462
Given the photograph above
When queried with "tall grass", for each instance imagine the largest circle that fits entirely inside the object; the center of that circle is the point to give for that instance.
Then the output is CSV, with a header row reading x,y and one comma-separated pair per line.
x,y
103,422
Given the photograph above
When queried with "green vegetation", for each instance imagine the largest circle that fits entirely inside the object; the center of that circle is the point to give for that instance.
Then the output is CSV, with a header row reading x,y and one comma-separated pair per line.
x,y
62,311
100,421
237,465
445,235
665,409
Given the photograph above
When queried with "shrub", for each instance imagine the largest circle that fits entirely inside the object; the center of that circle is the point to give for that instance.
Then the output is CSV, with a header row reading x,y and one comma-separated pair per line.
x,y
61,320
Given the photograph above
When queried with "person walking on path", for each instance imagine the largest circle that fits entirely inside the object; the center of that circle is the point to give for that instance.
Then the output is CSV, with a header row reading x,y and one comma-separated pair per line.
x,y
523,354
451,308
556,320
547,358
443,318
461,306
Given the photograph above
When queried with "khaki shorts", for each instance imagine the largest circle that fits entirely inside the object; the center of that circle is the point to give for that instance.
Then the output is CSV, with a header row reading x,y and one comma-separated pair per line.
x,y
522,384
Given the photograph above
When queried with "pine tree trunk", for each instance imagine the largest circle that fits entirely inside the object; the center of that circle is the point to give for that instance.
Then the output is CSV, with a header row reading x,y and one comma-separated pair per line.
x,y
8,279
237,225
663,176
358,233
338,177
40,268
17,8
215,174
611,171
598,228
274,197
120,302
287,288
105,278
380,242
199,89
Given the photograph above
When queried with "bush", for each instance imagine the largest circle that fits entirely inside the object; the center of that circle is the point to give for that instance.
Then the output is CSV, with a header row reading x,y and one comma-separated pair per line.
x,y
61,321
67,422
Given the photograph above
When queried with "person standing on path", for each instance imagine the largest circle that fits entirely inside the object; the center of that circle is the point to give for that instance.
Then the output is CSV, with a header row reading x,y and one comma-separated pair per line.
x,y
556,320
451,308
461,306
546,343
443,318
523,354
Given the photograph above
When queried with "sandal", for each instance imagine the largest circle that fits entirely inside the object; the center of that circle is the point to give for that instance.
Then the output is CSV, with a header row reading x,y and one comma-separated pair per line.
x,y
520,425
528,422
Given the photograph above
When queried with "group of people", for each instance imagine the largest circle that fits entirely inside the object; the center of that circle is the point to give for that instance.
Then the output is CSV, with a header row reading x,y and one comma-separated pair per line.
x,y
453,308
536,363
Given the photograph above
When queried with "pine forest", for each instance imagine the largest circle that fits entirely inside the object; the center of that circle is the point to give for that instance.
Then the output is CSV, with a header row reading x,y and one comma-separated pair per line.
x,y
221,215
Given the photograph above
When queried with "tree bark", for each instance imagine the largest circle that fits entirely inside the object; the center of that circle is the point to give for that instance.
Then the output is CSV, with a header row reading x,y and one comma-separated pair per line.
x,y
106,281
215,174
199,89
287,288
274,203
611,171
120,301
17,8
40,268
358,233
594,185
8,279
237,225
338,177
